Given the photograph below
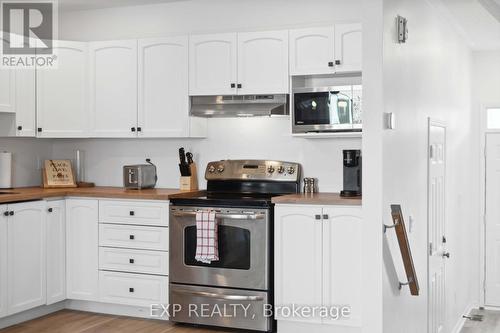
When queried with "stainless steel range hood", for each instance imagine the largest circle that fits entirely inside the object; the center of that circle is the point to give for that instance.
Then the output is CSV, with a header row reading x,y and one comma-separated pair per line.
x,y
239,106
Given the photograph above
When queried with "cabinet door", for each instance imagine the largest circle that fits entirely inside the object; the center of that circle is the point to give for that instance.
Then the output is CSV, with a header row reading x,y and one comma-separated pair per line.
x,y
82,252
113,92
263,62
25,103
312,51
163,87
7,90
26,256
348,48
62,93
3,261
212,64
342,243
56,251
298,258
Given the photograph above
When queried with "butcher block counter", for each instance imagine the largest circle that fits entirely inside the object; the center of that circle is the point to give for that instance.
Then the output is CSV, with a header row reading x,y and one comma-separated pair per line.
x,y
325,199
35,193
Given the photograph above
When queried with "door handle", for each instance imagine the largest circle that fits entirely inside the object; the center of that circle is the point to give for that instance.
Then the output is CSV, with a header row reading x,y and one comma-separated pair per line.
x,y
219,296
225,216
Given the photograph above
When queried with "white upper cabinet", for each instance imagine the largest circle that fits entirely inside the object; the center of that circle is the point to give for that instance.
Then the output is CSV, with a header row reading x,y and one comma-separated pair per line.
x,y
7,90
312,51
163,87
348,48
213,64
113,88
263,62
3,261
62,94
56,251
26,256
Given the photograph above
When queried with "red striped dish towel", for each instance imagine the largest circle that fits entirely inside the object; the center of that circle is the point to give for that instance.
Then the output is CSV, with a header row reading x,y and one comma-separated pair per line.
x,y
207,247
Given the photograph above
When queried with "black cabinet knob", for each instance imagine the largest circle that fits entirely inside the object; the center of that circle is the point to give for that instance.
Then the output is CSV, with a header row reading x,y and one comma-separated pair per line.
x,y
130,290
317,217
132,129
5,213
132,213
39,129
50,210
139,129
239,85
132,237
233,85
337,62
11,213
19,128
330,64
131,260
325,217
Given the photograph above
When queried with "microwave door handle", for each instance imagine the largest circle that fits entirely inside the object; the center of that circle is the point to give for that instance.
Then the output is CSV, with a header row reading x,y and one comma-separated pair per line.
x,y
219,296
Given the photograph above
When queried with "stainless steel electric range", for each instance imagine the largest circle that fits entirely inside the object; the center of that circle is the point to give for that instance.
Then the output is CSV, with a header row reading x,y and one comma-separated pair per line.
x,y
237,290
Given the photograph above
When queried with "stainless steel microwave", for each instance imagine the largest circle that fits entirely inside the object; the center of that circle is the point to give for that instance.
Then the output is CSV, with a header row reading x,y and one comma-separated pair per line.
x,y
327,109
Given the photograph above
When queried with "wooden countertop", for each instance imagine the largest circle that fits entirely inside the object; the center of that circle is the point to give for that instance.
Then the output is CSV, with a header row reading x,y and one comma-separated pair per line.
x,y
34,193
317,199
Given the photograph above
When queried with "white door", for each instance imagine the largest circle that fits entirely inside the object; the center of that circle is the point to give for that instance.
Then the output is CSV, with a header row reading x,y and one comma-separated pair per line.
x,y
342,261
212,64
436,227
163,87
263,62
298,257
26,256
312,51
113,88
82,254
26,103
492,288
348,48
62,94
56,251
3,261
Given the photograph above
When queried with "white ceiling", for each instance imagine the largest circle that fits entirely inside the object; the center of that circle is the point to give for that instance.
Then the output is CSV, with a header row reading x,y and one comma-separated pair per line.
x,y
477,20
71,5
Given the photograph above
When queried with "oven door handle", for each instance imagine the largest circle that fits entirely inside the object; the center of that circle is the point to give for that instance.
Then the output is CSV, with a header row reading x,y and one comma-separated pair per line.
x,y
219,296
226,216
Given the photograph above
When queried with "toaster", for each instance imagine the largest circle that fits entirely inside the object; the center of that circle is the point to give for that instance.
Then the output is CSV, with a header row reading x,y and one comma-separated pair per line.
x,y
139,176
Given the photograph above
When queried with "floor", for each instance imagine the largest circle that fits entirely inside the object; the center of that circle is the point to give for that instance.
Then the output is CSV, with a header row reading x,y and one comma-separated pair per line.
x,y
490,323
67,321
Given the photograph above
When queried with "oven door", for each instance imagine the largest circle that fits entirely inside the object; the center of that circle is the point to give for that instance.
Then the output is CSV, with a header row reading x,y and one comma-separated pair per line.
x,y
244,244
323,109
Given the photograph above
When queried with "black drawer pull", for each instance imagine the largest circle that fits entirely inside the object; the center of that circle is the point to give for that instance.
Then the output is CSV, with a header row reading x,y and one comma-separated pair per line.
x,y
233,85
5,213
130,290
338,62
132,129
19,128
11,213
132,237
39,129
330,64
50,210
317,217
239,85
131,261
132,213
325,217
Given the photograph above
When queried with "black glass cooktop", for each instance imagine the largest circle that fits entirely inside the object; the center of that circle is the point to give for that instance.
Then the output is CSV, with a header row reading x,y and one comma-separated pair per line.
x,y
226,200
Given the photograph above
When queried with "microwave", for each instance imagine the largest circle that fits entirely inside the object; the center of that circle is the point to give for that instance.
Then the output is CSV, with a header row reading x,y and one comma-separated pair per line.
x,y
327,109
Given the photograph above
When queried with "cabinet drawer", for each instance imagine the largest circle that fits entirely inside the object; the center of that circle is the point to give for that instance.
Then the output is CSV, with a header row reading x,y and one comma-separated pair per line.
x,y
134,261
134,237
133,212
133,289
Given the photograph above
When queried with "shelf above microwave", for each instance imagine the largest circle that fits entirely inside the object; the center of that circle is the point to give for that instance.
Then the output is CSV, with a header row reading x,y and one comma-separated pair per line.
x,y
326,135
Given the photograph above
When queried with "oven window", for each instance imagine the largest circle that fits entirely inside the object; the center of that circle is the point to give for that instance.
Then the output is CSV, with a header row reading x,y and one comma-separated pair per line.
x,y
234,248
322,108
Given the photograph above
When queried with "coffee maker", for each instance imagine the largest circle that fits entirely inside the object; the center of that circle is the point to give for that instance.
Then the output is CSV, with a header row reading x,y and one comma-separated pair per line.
x,y
352,173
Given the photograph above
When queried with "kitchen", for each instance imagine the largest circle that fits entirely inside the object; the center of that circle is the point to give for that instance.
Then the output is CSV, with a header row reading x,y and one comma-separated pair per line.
x,y
234,112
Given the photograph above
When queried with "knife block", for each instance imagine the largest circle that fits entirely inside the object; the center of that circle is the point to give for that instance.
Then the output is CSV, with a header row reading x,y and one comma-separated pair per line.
x,y
190,183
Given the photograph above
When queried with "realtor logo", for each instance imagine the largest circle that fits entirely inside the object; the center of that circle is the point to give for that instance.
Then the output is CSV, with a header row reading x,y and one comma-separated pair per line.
x,y
28,28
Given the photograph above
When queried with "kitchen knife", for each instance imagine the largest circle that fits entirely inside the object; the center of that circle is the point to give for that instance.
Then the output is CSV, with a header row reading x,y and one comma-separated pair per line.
x,y
183,166
189,158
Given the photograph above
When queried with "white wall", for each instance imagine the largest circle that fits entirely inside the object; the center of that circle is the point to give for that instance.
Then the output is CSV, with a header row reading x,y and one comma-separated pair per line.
x,y
228,138
430,75
25,153
486,66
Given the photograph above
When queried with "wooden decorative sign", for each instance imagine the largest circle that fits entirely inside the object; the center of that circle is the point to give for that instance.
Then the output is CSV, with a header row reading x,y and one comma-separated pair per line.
x,y
58,173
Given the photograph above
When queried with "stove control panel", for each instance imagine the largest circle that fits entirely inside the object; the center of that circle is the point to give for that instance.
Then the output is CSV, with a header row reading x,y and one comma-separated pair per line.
x,y
253,170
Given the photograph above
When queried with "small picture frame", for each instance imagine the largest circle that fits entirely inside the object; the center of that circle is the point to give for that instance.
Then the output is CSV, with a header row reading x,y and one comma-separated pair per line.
x,y
58,174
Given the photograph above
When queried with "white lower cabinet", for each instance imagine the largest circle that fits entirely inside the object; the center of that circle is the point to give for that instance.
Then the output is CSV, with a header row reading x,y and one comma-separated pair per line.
x,y
26,256
82,255
56,251
318,248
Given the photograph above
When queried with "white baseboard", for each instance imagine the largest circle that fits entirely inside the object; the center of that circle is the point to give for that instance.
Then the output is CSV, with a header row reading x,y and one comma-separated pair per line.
x,y
461,321
112,309
31,314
